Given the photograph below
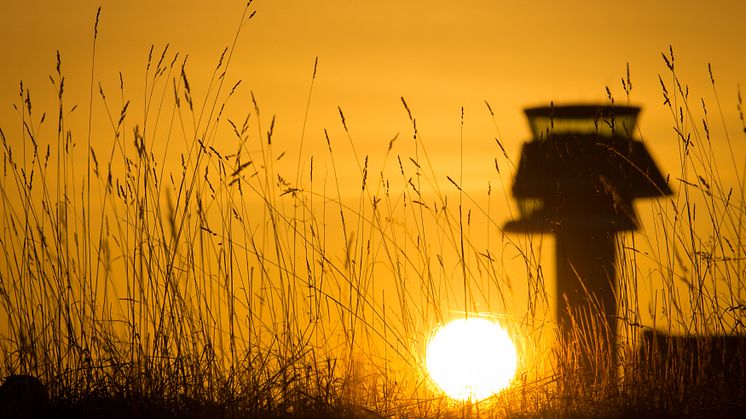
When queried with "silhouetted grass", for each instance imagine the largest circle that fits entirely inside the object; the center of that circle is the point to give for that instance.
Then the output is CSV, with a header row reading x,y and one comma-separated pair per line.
x,y
186,270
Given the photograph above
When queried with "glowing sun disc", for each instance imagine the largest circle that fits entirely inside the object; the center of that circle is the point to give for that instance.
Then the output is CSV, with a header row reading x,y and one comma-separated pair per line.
x,y
471,358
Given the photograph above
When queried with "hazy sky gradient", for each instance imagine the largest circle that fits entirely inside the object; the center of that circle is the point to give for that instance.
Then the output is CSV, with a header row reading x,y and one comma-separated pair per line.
x,y
439,55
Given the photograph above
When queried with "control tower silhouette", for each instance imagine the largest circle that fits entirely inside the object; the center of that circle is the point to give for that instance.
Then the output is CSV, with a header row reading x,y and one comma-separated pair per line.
x,y
577,179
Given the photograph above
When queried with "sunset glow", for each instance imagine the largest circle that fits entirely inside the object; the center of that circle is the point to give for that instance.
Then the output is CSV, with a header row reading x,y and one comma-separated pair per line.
x,y
396,208
471,359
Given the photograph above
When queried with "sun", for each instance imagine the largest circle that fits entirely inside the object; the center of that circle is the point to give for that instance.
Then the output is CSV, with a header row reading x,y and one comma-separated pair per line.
x,y
471,359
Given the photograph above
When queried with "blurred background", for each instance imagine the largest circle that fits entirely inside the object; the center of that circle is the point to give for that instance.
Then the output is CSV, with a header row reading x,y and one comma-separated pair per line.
x,y
446,59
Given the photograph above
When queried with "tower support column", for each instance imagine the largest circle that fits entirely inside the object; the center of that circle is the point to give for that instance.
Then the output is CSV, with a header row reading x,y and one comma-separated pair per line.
x,y
586,295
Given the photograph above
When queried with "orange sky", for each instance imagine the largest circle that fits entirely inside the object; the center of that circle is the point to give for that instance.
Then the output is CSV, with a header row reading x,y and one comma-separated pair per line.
x,y
439,55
